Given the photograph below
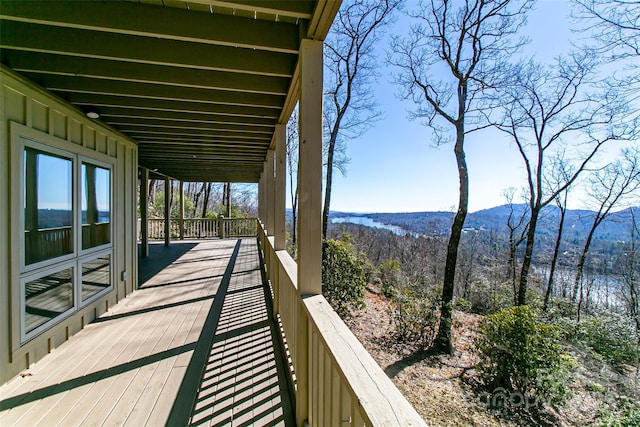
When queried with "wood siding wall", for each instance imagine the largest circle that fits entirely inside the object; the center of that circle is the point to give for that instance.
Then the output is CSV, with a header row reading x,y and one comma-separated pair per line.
x,y
26,107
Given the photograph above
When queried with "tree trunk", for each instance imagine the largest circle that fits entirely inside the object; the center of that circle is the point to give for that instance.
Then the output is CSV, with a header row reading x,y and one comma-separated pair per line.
x,y
577,284
328,184
207,193
528,254
554,259
151,191
197,200
442,342
170,198
581,261
511,263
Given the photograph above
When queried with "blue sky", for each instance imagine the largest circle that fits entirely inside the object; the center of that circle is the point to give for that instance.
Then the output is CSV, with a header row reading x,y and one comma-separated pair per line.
x,y
394,166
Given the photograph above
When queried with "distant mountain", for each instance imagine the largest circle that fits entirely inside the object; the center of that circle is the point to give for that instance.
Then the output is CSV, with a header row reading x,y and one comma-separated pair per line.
x,y
577,222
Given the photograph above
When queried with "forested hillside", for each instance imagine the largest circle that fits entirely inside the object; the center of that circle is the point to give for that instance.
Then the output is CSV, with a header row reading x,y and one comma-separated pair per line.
x,y
577,222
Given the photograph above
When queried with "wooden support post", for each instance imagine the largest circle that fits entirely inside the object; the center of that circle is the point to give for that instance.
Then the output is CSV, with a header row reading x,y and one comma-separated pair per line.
x,y
181,213
167,212
309,208
279,189
144,212
279,242
261,197
270,192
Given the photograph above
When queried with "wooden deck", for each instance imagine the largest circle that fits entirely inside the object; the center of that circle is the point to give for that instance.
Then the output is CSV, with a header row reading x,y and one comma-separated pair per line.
x,y
194,346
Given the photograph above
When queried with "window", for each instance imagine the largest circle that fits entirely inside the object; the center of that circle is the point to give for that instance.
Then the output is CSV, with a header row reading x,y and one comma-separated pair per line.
x,y
96,205
47,298
96,276
65,267
48,206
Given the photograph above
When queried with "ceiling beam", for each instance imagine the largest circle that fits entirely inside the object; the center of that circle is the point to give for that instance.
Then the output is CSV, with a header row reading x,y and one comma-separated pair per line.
x,y
68,84
193,142
163,22
138,133
165,105
144,73
107,112
160,125
143,50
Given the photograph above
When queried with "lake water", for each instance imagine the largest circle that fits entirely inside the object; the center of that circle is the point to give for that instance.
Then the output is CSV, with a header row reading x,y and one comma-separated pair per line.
x,y
369,222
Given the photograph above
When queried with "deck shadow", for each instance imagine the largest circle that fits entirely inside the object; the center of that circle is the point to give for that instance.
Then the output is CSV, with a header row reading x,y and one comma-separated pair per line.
x,y
93,377
160,257
237,374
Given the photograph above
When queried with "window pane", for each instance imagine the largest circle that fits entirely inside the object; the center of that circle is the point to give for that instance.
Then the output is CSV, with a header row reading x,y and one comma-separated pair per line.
x,y
96,206
96,276
47,297
48,206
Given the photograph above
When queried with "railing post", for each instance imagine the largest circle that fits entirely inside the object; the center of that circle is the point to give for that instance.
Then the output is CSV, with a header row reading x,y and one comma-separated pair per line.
x,y
144,212
221,227
181,213
309,210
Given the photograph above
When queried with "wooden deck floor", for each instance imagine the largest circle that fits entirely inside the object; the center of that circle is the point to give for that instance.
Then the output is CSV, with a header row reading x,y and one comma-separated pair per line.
x,y
194,346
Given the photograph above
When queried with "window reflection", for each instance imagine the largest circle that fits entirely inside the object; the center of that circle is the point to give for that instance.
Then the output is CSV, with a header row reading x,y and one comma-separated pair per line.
x,y
96,206
47,298
96,276
48,206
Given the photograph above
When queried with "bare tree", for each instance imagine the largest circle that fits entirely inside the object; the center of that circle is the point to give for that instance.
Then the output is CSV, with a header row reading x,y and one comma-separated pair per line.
x,y
350,107
554,180
631,277
226,196
615,23
453,54
292,142
609,187
547,107
207,194
197,199
517,225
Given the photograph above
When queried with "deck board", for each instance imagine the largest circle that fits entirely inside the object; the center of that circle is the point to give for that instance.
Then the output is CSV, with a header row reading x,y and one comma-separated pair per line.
x,y
126,367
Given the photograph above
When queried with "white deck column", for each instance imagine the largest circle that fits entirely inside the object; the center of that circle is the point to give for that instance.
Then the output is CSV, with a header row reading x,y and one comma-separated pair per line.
x,y
310,166
144,212
167,211
280,189
270,184
309,209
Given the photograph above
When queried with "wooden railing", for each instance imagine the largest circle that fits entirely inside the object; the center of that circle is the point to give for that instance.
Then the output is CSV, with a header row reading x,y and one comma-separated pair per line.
x,y
344,385
204,228
95,234
48,243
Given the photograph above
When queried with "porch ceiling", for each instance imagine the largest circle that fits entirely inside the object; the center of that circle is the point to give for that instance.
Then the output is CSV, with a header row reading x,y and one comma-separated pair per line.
x,y
199,84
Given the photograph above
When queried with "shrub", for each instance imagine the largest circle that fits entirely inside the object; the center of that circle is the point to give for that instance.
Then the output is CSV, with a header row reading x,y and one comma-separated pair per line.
x,y
343,280
486,298
390,276
612,336
523,357
628,415
414,319
463,305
